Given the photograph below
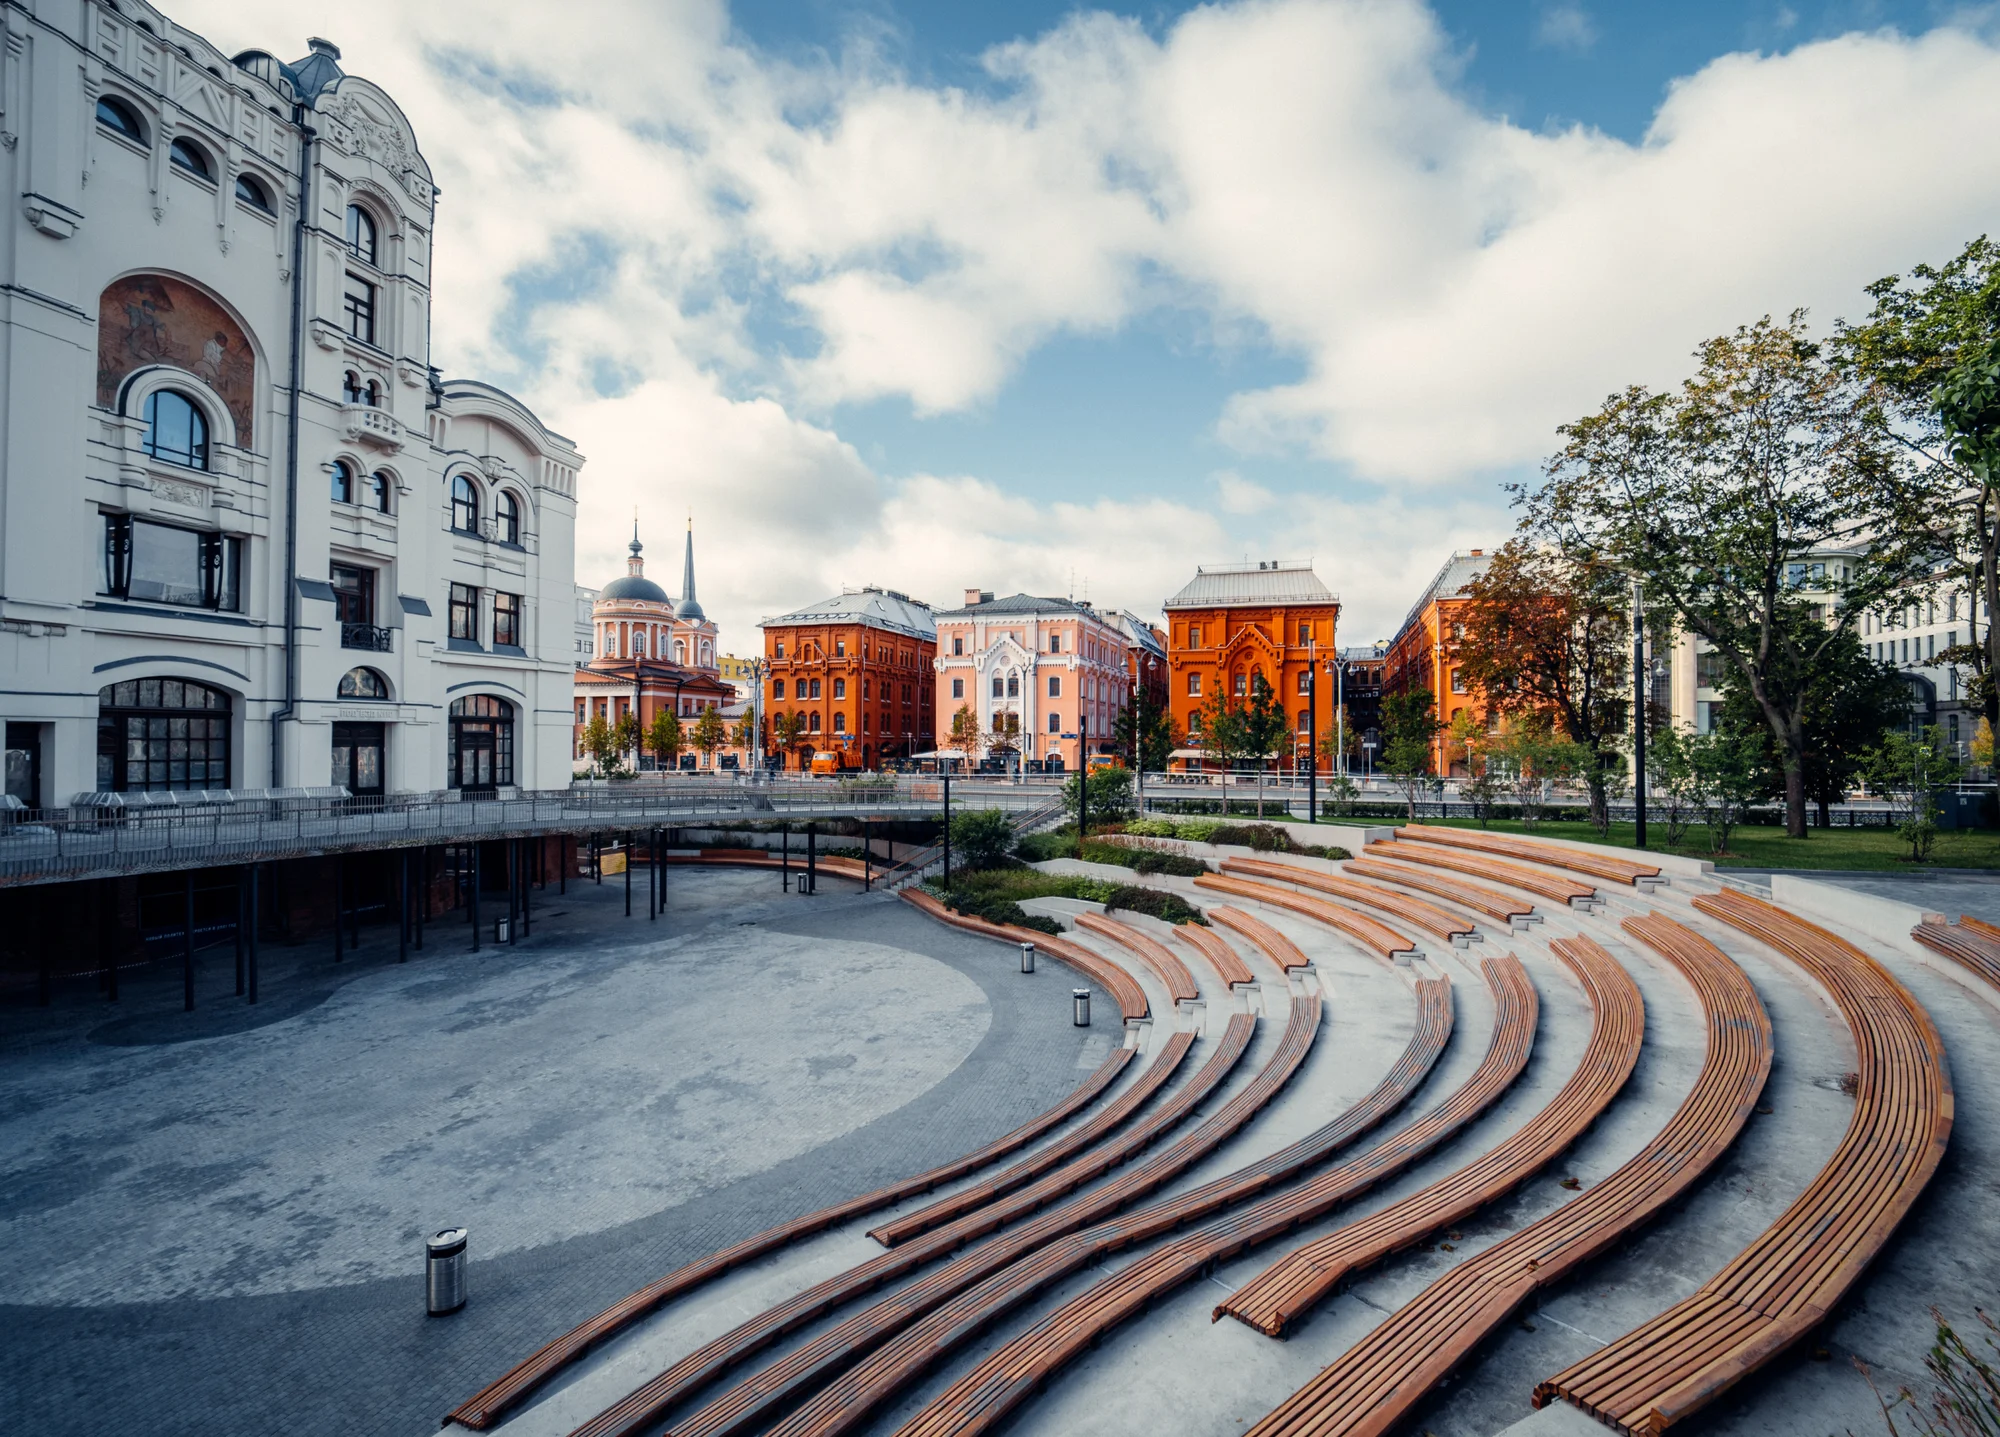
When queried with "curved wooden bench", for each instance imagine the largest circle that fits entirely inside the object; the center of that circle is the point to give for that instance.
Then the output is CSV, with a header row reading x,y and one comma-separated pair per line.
x,y
990,1392
1277,947
1968,942
1122,986
1786,1282
849,1401
1490,901
837,864
1494,870
1153,953
1278,1297
501,1396
1114,1117
1376,1383
1224,959
648,1403
1439,922
1577,860
1368,932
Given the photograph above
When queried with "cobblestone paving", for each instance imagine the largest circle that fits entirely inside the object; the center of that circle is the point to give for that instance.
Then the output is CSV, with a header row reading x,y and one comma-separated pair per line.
x,y
576,1100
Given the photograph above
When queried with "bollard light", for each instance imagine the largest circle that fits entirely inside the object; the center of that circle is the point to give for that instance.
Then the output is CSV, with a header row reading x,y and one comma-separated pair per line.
x,y
1080,1001
1027,957
444,1272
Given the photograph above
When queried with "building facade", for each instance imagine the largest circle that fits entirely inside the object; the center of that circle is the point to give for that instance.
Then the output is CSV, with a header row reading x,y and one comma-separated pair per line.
x,y
586,628
248,536
1233,623
855,672
1037,675
1145,654
1423,655
655,655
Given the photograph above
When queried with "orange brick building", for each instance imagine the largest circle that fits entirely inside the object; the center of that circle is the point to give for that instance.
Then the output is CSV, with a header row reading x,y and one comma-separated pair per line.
x,y
857,669
1233,621
1424,652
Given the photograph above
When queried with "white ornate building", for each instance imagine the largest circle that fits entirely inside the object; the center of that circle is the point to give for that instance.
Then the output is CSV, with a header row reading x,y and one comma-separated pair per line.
x,y
248,537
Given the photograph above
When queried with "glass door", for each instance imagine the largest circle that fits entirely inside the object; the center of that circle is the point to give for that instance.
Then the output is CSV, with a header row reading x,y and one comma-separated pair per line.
x,y
357,758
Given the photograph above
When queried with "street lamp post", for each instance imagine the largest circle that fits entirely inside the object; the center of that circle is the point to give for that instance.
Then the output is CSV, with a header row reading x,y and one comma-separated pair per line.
x,y
1312,733
1638,714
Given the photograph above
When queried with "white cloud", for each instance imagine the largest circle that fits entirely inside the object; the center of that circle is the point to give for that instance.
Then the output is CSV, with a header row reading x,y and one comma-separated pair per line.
x,y
750,242
1566,27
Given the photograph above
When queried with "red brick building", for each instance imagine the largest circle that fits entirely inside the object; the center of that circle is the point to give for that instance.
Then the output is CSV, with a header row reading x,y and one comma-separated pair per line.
x,y
856,670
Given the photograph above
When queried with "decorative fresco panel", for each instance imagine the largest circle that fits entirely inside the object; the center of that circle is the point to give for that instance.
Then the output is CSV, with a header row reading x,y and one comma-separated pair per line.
x,y
154,319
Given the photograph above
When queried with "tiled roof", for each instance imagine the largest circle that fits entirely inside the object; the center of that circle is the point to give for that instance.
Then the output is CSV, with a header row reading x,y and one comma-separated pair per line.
x,y
1021,604
877,608
1265,583
1458,571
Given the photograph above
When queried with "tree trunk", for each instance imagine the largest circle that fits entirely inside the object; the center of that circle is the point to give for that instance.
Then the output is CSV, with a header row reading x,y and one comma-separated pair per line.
x,y
1989,544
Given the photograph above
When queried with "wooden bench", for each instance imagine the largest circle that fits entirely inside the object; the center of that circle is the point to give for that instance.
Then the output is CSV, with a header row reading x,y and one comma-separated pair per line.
x,y
1275,1300
1019,1174
1371,934
1494,870
1228,964
1439,922
647,1404
1494,904
1150,951
1277,947
500,1397
1122,986
1375,1384
1968,942
1006,1378
837,864
1577,860
1785,1284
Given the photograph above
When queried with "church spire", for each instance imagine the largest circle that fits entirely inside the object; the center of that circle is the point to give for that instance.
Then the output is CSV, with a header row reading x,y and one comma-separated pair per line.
x,y
636,564
689,608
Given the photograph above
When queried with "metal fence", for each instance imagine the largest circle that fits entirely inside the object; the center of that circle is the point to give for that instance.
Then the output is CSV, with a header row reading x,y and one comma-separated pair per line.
x,y
215,830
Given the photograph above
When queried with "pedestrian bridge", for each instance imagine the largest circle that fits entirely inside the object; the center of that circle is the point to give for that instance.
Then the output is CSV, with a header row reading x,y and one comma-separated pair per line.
x,y
114,835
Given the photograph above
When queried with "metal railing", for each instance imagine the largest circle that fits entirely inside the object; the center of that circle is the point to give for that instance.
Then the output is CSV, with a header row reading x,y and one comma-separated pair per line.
x,y
154,833
372,637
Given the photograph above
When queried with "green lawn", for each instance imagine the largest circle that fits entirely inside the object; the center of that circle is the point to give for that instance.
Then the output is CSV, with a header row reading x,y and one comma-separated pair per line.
x,y
1876,849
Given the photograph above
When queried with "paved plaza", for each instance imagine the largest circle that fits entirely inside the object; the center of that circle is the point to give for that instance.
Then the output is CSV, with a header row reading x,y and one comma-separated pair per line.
x,y
213,1223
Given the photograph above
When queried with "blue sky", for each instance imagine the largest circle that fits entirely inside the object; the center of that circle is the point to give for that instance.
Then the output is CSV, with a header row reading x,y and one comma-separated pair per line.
x,y
1053,298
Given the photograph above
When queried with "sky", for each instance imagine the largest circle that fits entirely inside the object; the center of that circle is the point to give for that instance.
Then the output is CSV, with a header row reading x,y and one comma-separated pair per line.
x,y
1069,300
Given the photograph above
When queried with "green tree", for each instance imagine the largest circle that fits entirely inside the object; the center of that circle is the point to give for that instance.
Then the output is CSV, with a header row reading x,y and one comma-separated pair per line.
x,y
666,738
1409,725
1224,739
1109,790
1547,634
1927,354
1265,728
981,838
964,735
788,731
1337,736
744,735
709,734
1534,757
1847,702
1727,776
601,745
1144,732
1913,772
625,735
1673,788
1719,495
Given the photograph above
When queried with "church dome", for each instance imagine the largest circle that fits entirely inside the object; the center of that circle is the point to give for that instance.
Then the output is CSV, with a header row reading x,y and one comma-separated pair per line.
x,y
686,609
635,586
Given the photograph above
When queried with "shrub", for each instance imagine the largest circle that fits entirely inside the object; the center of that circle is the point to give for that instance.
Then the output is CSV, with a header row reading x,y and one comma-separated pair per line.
x,y
1169,907
1041,847
981,838
1143,860
1110,793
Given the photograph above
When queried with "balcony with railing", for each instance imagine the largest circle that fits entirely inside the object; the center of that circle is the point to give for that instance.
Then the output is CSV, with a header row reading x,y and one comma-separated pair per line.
x,y
371,637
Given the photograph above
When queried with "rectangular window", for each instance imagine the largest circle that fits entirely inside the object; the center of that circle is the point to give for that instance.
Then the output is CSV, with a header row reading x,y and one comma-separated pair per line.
x,y
779,652
1458,681
1305,681
1242,685
1055,686
1305,633
161,564
840,648
465,613
1194,636
777,688
1055,643
1707,669
815,688
1055,723
359,303
958,688
507,619
957,647
840,688
353,594
1194,685
999,687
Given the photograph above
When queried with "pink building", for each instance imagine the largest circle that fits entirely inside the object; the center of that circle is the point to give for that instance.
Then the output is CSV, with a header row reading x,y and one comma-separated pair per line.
x,y
1047,662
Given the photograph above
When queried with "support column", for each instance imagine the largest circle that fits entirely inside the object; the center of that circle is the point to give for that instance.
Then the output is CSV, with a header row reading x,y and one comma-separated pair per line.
x,y
474,904
423,892
529,845
338,913
812,858
250,966
785,861
187,942
628,875
403,905
241,898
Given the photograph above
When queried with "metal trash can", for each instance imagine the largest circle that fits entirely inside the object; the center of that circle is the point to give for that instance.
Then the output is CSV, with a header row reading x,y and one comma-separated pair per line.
x,y
502,927
444,1272
1027,957
1080,1002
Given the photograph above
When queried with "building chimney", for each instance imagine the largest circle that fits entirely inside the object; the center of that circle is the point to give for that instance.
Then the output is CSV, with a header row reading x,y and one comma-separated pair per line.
x,y
1477,552
971,598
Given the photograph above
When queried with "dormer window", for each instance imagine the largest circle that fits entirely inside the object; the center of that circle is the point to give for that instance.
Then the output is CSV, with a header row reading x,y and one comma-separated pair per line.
x,y
187,155
361,234
121,119
250,190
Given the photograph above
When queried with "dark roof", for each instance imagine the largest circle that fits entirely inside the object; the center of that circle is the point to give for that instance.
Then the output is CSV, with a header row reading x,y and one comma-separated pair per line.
x,y
634,586
876,608
1019,604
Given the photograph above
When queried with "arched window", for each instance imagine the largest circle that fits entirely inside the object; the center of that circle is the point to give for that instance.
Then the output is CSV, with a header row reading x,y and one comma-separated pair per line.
x,y
121,119
363,684
361,234
481,743
176,429
680,652
162,733
639,645
840,723
372,395
507,514
343,482
251,191
379,485
1013,686
464,506
187,155
813,724
351,390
